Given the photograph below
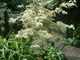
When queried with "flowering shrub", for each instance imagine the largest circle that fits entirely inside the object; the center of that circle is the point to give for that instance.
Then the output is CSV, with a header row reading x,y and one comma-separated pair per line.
x,y
38,24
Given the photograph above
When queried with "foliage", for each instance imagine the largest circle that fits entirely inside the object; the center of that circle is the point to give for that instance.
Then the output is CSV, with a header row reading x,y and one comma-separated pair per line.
x,y
75,35
19,49
53,53
15,49
2,28
12,4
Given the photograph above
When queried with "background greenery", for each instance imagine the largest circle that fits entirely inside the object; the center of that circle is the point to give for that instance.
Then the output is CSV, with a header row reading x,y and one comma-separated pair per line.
x,y
12,4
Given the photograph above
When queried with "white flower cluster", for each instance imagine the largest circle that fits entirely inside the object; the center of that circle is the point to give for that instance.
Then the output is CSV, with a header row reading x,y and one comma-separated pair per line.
x,y
29,32
36,49
67,5
59,10
62,26
72,27
73,1
20,6
34,19
38,25
12,20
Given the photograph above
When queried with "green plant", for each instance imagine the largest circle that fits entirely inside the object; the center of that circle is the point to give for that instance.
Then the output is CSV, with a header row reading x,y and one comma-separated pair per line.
x,y
15,49
2,29
75,35
19,49
53,53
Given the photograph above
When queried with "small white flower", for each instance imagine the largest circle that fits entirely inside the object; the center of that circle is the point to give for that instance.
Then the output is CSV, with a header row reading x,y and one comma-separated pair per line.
x,y
42,14
35,46
74,1
12,20
25,36
26,6
17,35
39,24
58,22
63,4
72,26
20,6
